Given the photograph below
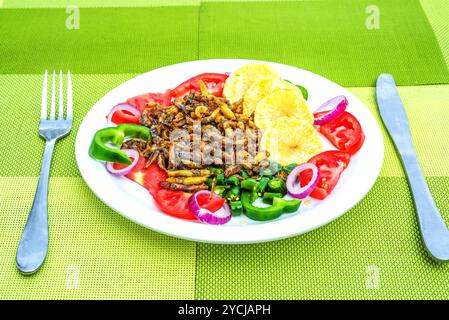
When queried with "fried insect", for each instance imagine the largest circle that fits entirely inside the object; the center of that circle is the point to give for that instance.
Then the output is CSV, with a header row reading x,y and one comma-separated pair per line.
x,y
188,181
188,173
183,157
231,170
182,187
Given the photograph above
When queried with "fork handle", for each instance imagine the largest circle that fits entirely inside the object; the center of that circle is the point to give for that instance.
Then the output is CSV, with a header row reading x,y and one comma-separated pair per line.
x,y
433,228
33,244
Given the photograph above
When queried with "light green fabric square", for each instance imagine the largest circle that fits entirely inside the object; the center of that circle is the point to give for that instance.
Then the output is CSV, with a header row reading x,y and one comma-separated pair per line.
x,y
94,253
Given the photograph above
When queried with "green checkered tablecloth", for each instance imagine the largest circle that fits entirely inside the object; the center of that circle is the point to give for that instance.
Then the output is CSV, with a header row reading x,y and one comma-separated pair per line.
x,y
373,252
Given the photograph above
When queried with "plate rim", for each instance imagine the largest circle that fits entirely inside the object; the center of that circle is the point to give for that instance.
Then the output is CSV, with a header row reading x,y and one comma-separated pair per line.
x,y
165,219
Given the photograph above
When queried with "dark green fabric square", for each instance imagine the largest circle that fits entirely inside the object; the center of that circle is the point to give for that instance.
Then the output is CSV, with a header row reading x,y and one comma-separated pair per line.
x,y
327,37
109,40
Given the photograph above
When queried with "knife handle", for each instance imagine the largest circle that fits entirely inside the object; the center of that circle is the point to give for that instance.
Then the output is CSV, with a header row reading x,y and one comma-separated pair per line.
x,y
433,228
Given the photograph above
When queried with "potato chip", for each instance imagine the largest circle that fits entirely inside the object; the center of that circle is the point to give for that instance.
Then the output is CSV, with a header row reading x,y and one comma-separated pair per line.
x,y
242,78
290,140
281,103
262,88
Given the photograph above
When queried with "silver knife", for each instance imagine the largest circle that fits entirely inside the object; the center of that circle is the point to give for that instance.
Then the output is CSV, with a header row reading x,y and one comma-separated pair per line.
x,y
433,228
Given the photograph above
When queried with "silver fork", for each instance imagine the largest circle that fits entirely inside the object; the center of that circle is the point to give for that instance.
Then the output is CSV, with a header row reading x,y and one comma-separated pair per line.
x,y
33,244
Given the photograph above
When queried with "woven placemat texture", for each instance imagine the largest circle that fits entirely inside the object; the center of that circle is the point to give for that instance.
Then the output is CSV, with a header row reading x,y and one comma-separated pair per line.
x,y
95,3
24,92
94,252
428,111
109,40
437,12
328,37
115,3
374,251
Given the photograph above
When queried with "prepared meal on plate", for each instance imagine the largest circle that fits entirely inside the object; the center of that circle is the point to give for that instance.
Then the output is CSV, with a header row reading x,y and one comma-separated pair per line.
x,y
222,145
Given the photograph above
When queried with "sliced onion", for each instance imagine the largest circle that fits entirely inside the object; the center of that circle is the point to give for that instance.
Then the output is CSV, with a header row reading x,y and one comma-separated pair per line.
x,y
294,186
124,107
338,106
218,217
134,154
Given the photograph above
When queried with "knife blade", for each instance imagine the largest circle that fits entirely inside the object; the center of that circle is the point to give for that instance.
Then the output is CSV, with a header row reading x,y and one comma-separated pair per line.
x,y
433,228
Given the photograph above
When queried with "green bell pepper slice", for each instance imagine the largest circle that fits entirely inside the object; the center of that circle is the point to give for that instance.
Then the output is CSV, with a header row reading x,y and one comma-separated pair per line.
x,y
269,196
244,174
257,213
288,206
277,185
220,179
216,171
232,180
263,184
250,184
106,142
233,194
236,208
220,190
279,207
271,170
289,168
209,182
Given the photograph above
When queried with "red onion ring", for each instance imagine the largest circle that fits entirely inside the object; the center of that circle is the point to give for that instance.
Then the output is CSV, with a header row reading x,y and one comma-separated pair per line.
x,y
338,105
294,187
120,107
121,172
221,216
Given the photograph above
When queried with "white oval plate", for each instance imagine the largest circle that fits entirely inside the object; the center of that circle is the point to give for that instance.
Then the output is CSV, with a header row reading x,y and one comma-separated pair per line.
x,y
135,203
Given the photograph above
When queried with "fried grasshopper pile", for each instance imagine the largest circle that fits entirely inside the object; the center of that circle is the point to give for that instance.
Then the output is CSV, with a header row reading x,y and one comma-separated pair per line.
x,y
197,133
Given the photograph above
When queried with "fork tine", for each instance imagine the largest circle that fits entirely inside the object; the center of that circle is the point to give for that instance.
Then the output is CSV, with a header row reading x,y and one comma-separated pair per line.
x,y
44,97
69,97
61,98
53,102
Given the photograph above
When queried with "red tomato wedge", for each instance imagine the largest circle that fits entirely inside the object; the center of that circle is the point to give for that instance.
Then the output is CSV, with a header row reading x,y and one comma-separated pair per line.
x,y
140,102
330,164
148,178
173,203
123,116
213,81
344,132
213,204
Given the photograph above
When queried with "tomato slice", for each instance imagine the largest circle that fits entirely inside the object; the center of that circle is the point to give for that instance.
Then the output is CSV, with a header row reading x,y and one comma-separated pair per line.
x,y
148,178
213,204
140,102
174,203
330,164
123,116
344,132
213,81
